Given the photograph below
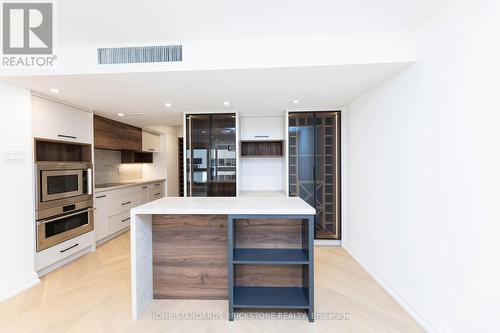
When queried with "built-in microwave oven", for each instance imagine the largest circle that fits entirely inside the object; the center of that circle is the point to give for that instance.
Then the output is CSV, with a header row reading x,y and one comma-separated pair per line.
x,y
62,184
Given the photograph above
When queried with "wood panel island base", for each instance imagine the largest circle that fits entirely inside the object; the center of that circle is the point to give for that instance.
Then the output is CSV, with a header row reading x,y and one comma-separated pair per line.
x,y
255,252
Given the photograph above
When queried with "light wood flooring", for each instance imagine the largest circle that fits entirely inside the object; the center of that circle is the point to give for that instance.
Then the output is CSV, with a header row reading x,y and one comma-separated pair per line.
x,y
92,294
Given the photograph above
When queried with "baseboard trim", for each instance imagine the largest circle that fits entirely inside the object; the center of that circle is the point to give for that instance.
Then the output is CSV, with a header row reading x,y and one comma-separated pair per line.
x,y
31,280
112,236
327,242
423,317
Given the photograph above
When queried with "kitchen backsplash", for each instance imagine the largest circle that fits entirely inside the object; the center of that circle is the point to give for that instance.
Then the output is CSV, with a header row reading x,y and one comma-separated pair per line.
x,y
108,167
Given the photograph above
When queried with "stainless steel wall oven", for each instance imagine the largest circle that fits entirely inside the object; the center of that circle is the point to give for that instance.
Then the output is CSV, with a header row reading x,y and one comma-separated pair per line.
x,y
64,204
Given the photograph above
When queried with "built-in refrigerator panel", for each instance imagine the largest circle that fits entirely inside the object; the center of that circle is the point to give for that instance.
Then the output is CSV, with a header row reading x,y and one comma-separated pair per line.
x,y
314,167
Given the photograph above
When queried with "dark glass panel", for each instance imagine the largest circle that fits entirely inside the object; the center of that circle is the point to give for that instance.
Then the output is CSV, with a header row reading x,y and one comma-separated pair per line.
x,y
312,166
65,224
62,184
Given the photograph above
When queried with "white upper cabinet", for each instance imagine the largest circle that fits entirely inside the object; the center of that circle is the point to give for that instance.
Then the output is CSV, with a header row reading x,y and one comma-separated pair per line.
x,y
56,121
150,142
261,128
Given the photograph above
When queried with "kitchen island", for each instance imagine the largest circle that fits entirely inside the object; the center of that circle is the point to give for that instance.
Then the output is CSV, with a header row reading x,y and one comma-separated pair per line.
x,y
256,252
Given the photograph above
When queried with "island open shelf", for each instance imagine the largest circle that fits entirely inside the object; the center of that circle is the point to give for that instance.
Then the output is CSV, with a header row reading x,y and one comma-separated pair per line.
x,y
270,256
281,246
271,298
254,252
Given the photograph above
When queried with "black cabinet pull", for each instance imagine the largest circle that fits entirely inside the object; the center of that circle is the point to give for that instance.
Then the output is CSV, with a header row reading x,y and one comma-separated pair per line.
x,y
66,136
157,194
144,187
101,196
128,218
156,185
126,203
69,248
261,136
151,149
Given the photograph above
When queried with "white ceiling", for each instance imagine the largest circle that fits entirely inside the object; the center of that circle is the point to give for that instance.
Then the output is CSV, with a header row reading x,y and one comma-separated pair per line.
x,y
250,91
84,22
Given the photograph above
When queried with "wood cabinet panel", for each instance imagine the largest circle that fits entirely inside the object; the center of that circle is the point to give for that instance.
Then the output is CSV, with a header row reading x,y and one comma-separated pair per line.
x,y
136,157
261,148
111,134
55,151
268,275
190,256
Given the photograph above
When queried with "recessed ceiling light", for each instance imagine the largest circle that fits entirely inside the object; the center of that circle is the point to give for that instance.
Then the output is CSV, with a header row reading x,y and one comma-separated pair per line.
x,y
295,101
120,114
167,105
54,90
226,103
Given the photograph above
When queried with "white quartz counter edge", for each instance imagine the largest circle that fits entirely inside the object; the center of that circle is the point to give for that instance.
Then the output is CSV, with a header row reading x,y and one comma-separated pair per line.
x,y
227,206
135,183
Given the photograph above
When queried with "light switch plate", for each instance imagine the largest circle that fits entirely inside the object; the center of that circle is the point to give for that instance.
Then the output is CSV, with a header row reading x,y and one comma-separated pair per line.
x,y
14,157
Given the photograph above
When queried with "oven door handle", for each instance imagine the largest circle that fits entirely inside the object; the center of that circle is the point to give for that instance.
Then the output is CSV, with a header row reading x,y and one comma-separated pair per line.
x,y
65,216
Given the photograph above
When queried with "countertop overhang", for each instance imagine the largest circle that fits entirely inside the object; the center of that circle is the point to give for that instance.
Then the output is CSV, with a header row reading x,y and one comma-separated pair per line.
x,y
227,206
125,184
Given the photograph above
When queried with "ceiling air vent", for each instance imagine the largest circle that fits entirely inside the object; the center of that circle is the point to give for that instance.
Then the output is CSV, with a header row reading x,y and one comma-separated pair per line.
x,y
136,55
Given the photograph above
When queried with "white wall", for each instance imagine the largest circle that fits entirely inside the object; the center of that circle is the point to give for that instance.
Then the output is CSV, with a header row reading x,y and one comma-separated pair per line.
x,y
424,166
16,193
166,163
262,174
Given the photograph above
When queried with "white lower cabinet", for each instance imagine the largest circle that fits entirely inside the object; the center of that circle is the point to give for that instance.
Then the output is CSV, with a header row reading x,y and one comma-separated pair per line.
x,y
122,202
113,207
100,215
118,222
144,194
61,251
156,191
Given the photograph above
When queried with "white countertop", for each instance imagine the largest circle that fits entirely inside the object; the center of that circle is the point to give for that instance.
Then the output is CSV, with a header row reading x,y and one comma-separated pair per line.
x,y
227,205
126,184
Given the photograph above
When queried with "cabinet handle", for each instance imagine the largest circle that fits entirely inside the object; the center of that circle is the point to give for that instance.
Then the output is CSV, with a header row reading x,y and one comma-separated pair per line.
x,y
66,136
126,203
69,248
261,136
101,196
156,185
151,149
157,194
144,187
128,218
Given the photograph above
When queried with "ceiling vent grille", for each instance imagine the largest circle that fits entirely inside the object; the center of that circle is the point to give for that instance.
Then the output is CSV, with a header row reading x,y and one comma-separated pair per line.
x,y
136,55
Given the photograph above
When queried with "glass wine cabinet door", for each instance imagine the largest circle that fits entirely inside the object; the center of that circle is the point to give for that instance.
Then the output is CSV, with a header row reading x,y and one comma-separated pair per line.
x,y
211,155
314,168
